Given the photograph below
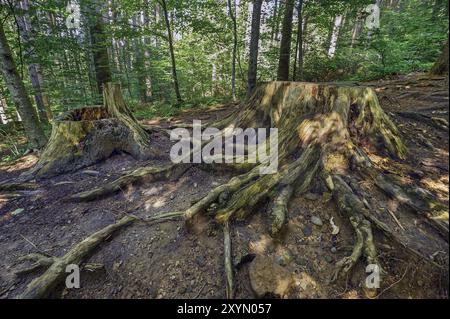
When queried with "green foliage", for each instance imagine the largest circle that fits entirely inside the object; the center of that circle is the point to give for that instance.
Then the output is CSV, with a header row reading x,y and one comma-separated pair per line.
x,y
410,39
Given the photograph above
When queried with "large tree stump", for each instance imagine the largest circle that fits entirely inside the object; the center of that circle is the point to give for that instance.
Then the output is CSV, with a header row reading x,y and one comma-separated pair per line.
x,y
82,137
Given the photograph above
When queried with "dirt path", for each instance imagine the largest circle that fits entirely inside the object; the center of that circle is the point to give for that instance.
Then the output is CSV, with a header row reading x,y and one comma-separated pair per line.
x,y
170,260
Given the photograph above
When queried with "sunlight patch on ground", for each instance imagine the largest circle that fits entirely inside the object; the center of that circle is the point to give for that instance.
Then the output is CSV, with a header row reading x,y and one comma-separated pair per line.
x,y
22,163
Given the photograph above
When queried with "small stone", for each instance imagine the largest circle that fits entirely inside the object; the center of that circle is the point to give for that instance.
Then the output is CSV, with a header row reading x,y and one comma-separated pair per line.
x,y
333,250
201,261
172,196
284,258
329,259
307,231
195,185
316,221
267,278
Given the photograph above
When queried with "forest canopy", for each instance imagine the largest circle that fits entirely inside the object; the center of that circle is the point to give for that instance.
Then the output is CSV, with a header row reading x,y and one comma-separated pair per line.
x,y
410,38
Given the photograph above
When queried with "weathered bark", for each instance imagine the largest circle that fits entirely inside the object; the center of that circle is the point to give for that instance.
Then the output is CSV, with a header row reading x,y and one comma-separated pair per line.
x,y
285,46
441,65
176,84
33,130
82,137
254,47
42,286
99,47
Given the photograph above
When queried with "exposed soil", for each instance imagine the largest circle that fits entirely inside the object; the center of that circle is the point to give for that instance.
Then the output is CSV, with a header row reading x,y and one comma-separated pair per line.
x,y
173,260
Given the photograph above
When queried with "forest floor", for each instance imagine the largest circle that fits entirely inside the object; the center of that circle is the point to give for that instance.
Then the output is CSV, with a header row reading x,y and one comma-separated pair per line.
x,y
170,260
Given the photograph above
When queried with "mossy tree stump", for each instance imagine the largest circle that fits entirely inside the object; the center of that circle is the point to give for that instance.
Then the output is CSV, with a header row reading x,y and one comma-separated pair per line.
x,y
82,137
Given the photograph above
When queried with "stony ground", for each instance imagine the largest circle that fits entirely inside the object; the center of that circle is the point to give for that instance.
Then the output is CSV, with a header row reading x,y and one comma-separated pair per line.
x,y
174,260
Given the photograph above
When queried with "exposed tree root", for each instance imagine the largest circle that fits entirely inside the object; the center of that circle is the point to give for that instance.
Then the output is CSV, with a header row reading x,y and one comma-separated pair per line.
x,y
350,205
278,209
435,122
15,186
324,133
229,269
420,200
39,261
43,285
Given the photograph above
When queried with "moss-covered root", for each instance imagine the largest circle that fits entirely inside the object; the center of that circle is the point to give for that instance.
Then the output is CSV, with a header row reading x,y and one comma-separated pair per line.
x,y
138,176
42,286
263,187
350,205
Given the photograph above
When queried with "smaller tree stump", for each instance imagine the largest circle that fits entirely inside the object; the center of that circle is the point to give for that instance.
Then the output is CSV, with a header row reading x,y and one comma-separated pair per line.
x,y
85,136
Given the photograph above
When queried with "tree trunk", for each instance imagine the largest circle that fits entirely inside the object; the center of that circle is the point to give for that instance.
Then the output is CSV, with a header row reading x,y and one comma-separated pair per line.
x,y
326,135
298,69
441,65
82,137
357,28
335,35
27,35
99,47
285,46
138,65
254,47
232,13
33,130
172,53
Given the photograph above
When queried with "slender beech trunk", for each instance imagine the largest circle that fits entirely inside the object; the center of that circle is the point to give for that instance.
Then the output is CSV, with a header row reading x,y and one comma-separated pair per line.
x,y
275,22
172,53
33,129
298,69
27,35
335,35
285,46
254,45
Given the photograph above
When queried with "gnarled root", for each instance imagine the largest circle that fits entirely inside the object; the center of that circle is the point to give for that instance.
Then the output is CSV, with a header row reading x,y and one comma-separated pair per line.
x,y
43,285
39,261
